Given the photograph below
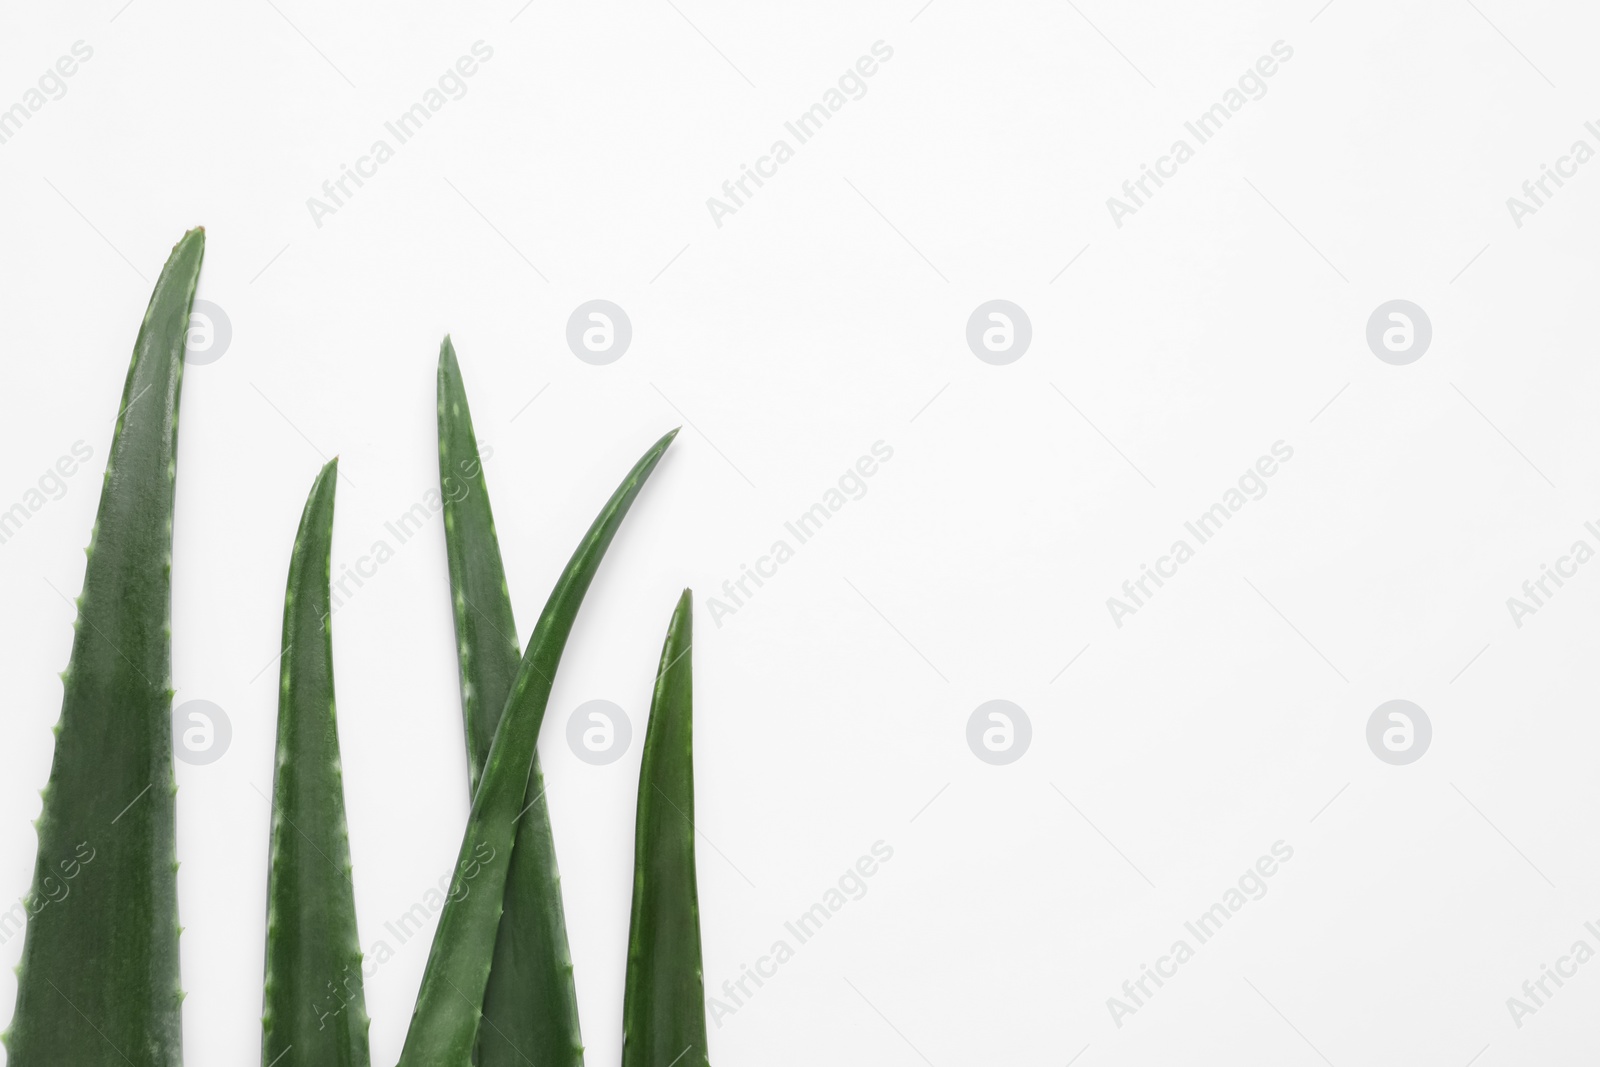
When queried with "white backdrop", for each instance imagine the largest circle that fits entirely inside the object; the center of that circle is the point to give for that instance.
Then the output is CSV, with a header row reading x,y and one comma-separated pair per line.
x,y
823,314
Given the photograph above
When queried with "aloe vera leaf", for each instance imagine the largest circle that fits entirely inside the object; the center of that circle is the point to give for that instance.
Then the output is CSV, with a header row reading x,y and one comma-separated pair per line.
x,y
530,1000
314,1005
444,1023
98,984
663,1007
486,632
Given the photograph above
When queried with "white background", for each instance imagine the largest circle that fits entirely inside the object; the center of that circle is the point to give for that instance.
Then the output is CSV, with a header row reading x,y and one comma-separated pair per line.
x,y
825,315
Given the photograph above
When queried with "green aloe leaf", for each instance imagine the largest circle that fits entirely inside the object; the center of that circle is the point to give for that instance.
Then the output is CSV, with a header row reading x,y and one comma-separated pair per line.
x,y
98,984
314,1004
531,1002
663,1007
486,632
444,1024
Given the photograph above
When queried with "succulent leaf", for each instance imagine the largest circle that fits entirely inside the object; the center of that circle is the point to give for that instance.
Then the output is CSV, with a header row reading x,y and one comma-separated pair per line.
x,y
314,1003
98,984
663,1008
445,1022
530,1000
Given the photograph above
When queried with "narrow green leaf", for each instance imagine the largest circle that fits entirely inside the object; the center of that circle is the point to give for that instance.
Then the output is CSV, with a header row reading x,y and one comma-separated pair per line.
x,y
314,1003
486,632
444,1024
98,984
531,1002
663,1007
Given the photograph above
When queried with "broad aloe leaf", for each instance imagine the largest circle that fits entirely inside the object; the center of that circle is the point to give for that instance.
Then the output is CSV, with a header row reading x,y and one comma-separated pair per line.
x,y
444,1024
530,1000
663,1007
98,984
315,1011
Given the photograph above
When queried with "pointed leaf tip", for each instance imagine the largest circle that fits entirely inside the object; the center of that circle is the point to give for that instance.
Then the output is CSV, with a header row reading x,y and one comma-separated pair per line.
x,y
660,447
663,1007
311,923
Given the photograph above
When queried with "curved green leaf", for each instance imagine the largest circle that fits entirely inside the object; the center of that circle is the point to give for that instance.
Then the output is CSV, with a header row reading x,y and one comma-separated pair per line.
x,y
486,632
314,1003
530,1002
444,1024
663,1008
98,984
